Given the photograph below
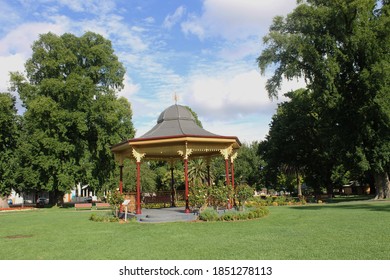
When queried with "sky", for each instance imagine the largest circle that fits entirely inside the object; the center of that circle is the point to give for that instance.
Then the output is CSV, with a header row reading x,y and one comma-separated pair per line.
x,y
203,51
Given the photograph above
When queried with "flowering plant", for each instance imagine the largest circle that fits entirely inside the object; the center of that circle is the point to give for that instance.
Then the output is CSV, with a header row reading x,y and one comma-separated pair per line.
x,y
243,193
198,196
220,195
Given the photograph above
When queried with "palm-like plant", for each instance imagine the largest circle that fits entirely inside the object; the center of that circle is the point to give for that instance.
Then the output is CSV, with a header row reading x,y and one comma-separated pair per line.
x,y
197,172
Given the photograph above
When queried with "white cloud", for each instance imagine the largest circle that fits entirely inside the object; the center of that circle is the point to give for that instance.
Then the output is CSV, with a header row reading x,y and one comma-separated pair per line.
x,y
171,20
234,94
149,20
8,15
194,26
129,89
232,19
92,6
15,48
240,49
20,39
247,131
10,63
235,102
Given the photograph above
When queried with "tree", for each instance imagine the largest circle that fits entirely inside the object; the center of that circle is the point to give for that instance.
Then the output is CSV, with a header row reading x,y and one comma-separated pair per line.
x,y
197,121
243,192
73,114
297,145
248,165
9,127
341,49
148,177
197,172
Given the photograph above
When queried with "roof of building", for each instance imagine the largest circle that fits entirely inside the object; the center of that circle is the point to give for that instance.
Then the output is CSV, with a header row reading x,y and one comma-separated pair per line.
x,y
176,121
175,134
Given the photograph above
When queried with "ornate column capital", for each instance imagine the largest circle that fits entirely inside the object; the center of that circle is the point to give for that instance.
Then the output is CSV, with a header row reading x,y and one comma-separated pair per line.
x,y
137,155
233,157
185,154
226,152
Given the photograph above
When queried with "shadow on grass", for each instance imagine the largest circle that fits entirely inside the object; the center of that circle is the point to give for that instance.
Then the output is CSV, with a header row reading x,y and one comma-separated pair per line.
x,y
350,198
369,206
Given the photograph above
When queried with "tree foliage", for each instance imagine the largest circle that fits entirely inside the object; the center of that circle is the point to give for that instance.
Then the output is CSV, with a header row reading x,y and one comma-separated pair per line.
x,y
340,48
248,165
148,177
197,172
9,131
73,114
197,121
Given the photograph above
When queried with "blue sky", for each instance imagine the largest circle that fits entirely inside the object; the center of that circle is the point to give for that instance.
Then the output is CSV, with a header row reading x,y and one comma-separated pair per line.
x,y
203,50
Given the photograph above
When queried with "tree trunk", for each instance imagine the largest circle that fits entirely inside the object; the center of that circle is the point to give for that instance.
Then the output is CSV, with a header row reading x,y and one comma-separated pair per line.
x,y
299,185
3,202
329,191
382,185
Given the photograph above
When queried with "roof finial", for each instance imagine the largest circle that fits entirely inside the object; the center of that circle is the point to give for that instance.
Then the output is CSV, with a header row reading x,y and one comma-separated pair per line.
x,y
175,98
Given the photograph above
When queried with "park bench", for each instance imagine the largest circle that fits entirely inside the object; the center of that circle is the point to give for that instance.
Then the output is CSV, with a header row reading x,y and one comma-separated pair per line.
x,y
102,205
162,198
83,206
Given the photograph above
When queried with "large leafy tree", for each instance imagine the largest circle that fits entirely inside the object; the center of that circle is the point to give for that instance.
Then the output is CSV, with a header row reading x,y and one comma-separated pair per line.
x,y
73,114
289,143
9,132
341,49
248,165
297,145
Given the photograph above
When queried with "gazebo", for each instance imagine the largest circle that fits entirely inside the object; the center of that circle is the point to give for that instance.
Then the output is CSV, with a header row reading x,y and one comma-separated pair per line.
x,y
176,136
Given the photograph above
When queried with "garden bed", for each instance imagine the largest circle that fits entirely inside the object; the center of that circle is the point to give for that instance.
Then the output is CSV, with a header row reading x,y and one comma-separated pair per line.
x,y
17,208
210,214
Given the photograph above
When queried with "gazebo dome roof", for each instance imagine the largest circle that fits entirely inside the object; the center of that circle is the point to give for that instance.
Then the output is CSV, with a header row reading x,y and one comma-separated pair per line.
x,y
176,121
175,112
174,135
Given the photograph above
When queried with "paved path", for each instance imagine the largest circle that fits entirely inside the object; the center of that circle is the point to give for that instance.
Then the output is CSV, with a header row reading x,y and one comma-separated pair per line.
x,y
163,215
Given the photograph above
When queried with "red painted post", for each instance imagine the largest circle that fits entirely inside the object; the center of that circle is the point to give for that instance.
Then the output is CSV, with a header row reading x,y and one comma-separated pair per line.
x,y
120,179
187,210
227,172
138,202
232,167
173,204
233,185
120,184
227,180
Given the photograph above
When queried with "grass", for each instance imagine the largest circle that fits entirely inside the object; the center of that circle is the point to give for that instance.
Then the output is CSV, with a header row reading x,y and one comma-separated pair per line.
x,y
345,230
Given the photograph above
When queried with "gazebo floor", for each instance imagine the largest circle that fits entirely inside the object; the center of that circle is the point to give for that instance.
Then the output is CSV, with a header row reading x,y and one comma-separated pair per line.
x,y
164,215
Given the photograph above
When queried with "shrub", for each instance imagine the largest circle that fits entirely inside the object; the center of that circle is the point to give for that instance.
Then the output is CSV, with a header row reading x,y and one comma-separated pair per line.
x,y
116,199
282,200
100,218
261,212
228,216
251,213
275,201
242,216
219,195
198,196
113,219
243,193
256,202
209,214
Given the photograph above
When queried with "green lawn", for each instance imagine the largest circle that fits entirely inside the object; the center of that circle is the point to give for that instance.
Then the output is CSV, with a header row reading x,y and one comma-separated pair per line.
x,y
346,230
